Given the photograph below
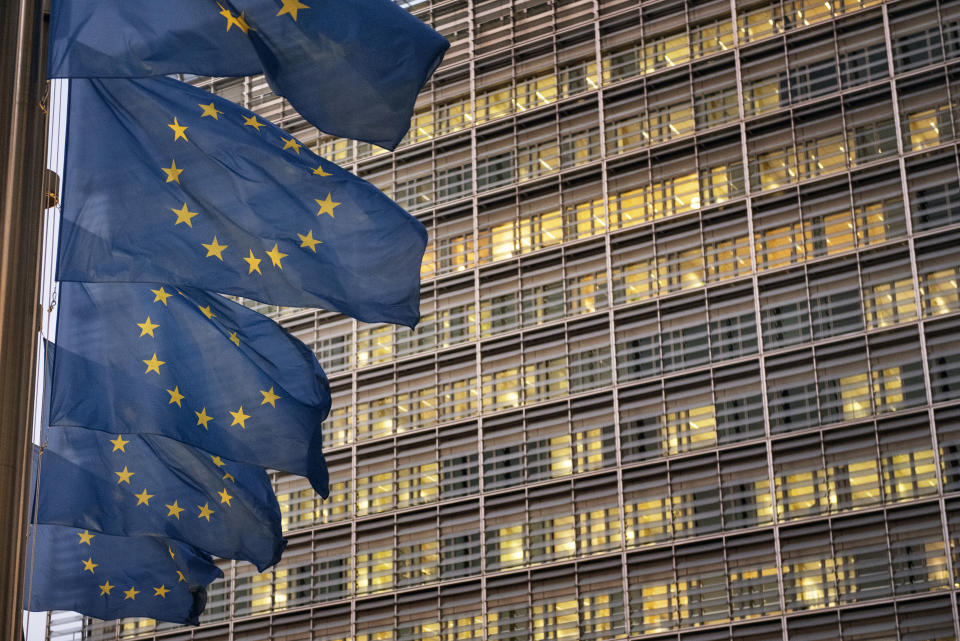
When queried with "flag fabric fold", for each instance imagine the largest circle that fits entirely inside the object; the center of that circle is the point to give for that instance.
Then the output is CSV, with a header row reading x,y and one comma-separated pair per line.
x,y
192,366
166,183
111,577
352,69
148,485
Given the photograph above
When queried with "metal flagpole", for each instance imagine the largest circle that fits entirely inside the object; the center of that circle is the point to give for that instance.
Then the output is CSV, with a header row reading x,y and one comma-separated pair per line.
x,y
22,146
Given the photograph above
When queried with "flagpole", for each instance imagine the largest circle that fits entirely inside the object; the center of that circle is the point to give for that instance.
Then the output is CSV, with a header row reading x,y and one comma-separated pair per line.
x,y
22,146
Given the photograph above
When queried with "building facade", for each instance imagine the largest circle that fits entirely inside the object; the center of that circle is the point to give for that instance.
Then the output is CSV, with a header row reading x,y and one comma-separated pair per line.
x,y
689,363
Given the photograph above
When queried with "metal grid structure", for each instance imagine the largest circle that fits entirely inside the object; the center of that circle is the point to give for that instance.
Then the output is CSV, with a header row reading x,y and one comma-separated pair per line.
x,y
688,364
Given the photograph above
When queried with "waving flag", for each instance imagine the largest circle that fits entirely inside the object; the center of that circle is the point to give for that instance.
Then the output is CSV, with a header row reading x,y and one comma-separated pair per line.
x,y
128,485
352,69
166,183
110,577
193,366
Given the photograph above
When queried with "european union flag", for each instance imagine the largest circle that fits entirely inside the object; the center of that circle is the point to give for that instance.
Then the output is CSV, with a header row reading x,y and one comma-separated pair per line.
x,y
129,485
110,577
353,69
167,183
193,366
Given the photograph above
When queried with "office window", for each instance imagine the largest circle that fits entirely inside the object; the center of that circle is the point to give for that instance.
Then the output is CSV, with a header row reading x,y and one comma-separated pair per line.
x,y
601,601
503,453
669,112
680,256
460,615
637,344
843,381
925,111
915,42
828,220
647,511
683,333
863,567
821,143
745,488
375,488
339,505
588,358
834,298
541,295
702,584
799,478
863,55
943,358
333,566
375,406
714,95
721,176
917,549
878,208
906,457
948,438
777,233
551,528
939,274
547,444
764,75
852,470
499,300
871,132
375,557
417,471
597,515
545,371
934,191
594,441
733,327
653,593
505,532
791,391
888,296
416,397
809,573
896,371
784,310
738,404
752,576
636,275
457,387
459,540
726,246
417,550
554,611
695,494
586,281
690,419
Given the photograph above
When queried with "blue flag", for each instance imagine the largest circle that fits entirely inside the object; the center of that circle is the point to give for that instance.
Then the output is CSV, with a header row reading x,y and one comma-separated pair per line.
x,y
352,69
129,485
110,577
193,366
166,183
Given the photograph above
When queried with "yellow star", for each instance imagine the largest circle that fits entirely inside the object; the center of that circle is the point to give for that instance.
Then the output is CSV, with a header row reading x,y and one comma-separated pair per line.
x,y
161,296
88,565
131,594
217,461
214,249
235,339
147,327
206,311
225,497
153,365
309,241
161,591
254,263
326,205
170,550
290,7
291,144
85,537
105,588
119,444
175,396
320,172
228,475
232,21
205,512
143,498
253,122
182,578
178,130
124,476
210,110
276,256
269,397
174,510
239,418
173,174
202,418
184,215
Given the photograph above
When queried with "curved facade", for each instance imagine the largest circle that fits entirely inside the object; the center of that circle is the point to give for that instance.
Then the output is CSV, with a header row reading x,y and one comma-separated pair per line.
x,y
688,363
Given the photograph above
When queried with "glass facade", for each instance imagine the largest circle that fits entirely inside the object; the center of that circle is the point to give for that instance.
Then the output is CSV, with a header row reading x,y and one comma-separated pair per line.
x,y
688,363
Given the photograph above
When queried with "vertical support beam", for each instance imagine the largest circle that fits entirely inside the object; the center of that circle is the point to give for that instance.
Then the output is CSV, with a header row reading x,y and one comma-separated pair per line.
x,y
22,145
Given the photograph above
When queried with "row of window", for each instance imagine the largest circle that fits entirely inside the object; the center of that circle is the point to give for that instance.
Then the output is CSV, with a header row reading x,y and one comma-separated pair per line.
x,y
895,552
454,615
880,374
794,227
861,465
